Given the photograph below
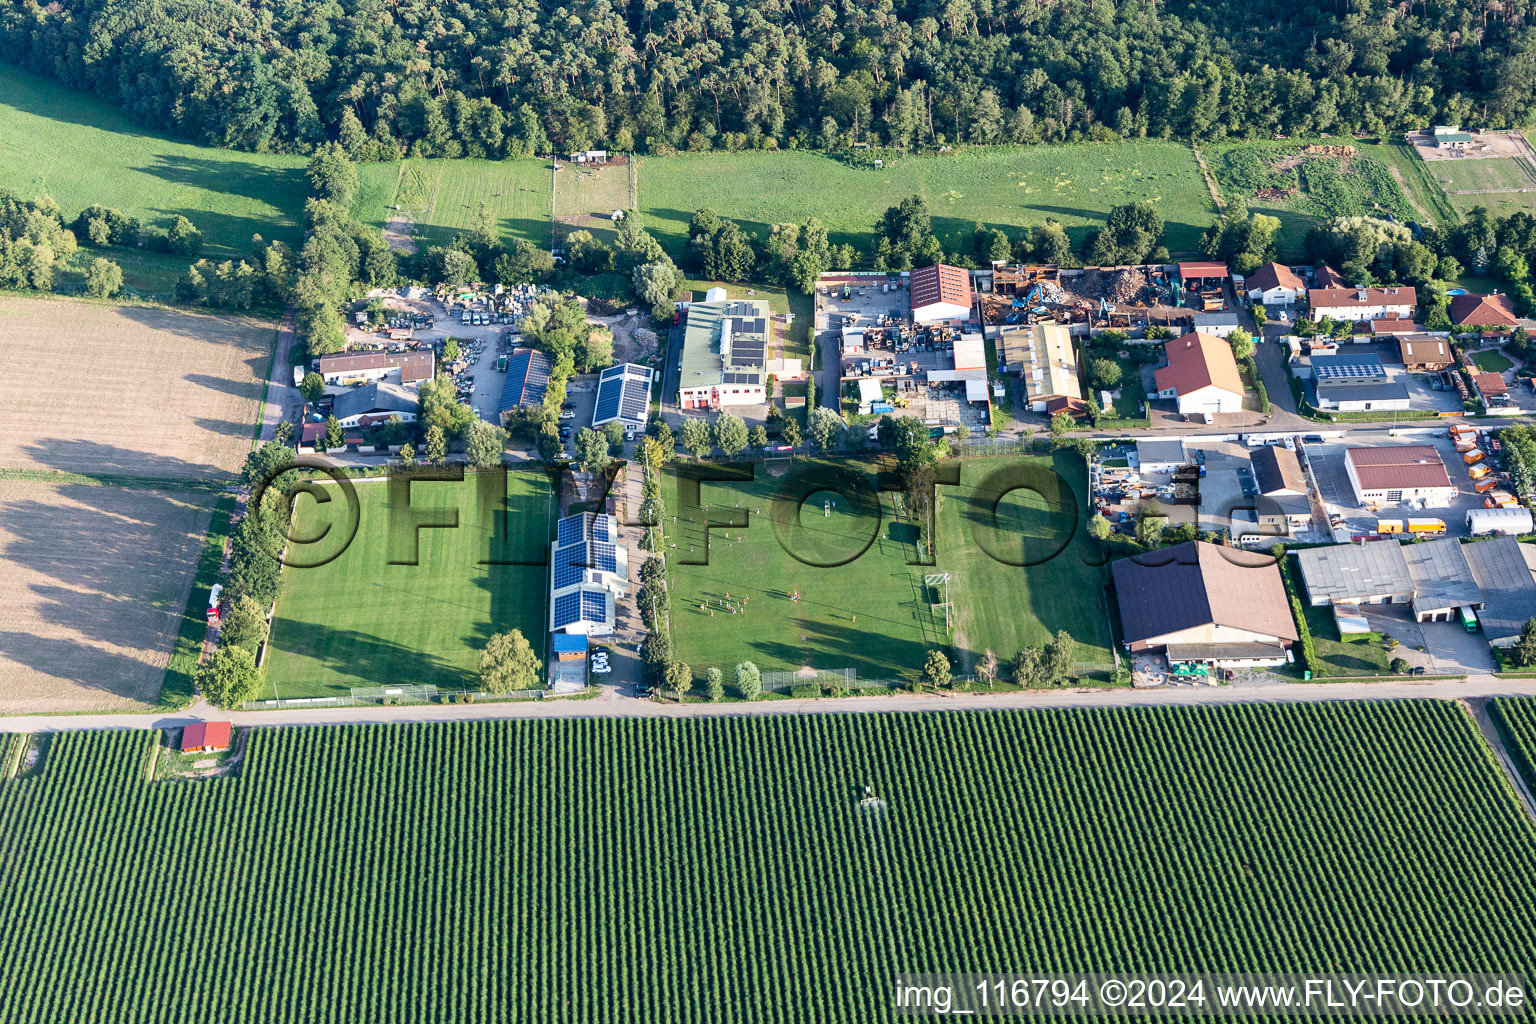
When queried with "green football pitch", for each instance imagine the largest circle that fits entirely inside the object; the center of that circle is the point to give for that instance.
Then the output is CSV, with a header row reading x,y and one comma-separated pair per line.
x,y
365,619
817,567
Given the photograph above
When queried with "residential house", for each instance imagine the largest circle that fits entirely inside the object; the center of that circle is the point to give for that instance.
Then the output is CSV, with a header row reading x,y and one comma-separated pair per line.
x,y
1494,310
1198,602
1354,304
1327,277
205,737
1201,375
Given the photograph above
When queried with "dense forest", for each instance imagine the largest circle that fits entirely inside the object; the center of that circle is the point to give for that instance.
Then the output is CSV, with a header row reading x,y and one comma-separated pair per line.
x,y
491,79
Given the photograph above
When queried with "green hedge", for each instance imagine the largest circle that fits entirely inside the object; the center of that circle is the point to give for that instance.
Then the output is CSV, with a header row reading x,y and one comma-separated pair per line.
x,y
176,690
1308,653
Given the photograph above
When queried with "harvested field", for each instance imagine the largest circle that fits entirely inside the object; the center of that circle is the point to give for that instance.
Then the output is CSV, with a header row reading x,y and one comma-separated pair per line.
x,y
128,390
93,585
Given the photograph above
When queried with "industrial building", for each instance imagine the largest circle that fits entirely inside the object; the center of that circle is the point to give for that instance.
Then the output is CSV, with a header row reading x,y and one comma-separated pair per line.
x,y
362,367
1201,603
1398,473
1046,361
939,293
725,345
623,395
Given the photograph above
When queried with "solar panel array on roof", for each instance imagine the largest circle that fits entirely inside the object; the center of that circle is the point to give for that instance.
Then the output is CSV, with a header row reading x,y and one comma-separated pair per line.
x,y
602,527
573,529
740,309
567,609
747,352
569,571
623,393
593,607
1328,368
739,378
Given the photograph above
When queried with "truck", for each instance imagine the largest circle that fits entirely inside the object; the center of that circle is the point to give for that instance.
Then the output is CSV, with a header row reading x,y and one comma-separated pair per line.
x,y
1475,455
1484,486
1385,526
1426,527
1478,472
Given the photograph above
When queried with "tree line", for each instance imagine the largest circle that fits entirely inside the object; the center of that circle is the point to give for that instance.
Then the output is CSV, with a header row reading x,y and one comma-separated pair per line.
x,y
508,79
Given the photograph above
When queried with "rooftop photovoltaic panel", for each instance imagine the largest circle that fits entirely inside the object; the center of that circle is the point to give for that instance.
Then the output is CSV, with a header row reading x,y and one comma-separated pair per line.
x,y
573,529
603,557
593,607
637,394
567,609
602,528
569,571
609,397
1330,370
740,309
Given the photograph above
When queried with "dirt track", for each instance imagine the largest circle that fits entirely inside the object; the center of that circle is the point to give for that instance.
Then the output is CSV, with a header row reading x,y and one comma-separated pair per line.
x,y
93,582
128,390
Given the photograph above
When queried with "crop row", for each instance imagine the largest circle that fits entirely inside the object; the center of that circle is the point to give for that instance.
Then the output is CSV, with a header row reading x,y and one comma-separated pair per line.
x,y
755,868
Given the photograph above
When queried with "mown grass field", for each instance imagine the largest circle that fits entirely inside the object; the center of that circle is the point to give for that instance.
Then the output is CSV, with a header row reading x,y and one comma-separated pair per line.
x,y
80,151
1020,562
1011,187
360,621
1497,173
444,197
726,869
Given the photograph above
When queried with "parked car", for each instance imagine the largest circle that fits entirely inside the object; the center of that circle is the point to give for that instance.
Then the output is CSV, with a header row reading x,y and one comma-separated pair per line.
x,y
567,414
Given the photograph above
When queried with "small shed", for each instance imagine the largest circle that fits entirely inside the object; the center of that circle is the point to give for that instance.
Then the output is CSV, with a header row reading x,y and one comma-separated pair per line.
x,y
205,738
568,646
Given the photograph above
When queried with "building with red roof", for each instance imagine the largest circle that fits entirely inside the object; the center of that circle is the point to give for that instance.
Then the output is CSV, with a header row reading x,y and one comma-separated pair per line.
x,y
1275,284
1482,310
940,292
1399,472
1363,303
1201,375
205,738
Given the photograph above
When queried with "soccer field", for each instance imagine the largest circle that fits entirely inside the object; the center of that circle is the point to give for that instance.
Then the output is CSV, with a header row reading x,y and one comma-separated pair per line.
x,y
1010,536
360,621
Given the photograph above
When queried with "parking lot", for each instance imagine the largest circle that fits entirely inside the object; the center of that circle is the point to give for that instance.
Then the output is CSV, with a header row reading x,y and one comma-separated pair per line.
x,y
1420,394
1333,483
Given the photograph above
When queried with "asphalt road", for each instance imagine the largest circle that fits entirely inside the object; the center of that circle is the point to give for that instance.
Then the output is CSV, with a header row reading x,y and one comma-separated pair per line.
x,y
610,704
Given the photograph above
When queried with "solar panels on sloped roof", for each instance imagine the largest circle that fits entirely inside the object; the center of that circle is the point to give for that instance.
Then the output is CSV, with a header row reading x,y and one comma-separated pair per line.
x,y
573,529
567,609
623,392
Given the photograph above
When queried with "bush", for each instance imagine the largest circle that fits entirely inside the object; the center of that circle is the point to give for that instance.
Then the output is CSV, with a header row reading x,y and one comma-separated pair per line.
x,y
1399,666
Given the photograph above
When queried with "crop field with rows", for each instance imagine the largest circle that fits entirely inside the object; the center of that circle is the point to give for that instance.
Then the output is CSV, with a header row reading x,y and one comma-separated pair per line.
x,y
739,869
1517,716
